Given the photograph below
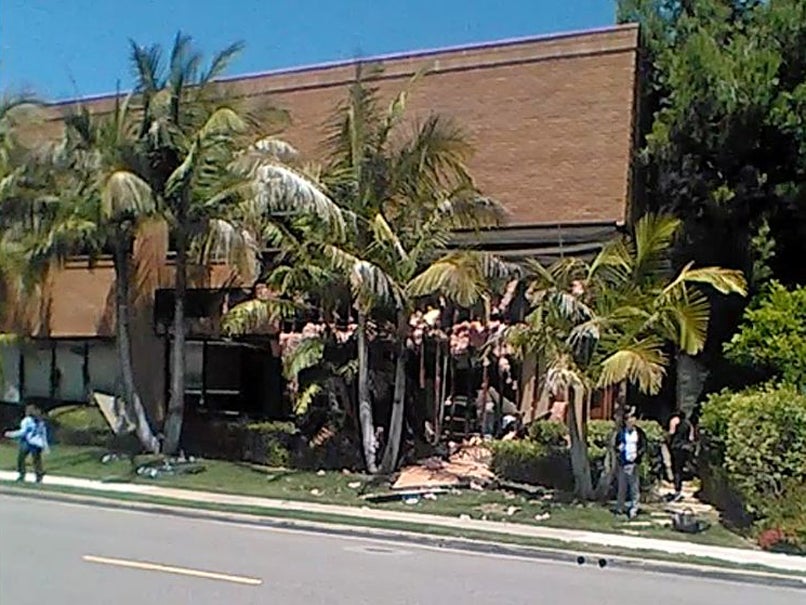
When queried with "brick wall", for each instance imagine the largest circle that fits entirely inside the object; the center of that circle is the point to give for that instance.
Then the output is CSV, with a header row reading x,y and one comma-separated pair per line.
x,y
551,118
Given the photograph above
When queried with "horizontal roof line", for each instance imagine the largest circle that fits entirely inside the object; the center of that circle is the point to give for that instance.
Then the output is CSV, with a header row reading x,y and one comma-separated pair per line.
x,y
430,52
387,57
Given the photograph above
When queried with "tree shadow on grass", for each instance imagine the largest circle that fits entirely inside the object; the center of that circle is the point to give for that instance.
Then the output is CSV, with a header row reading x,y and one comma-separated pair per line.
x,y
70,460
271,474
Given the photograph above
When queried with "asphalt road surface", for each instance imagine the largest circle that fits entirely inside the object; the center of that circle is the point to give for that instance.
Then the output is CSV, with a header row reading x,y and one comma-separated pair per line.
x,y
79,555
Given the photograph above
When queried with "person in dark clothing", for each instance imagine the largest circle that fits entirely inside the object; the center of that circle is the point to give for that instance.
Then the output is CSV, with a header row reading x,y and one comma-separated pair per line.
x,y
630,448
33,438
681,441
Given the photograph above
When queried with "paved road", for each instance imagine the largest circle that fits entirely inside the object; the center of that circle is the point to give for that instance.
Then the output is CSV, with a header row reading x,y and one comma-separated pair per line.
x,y
76,555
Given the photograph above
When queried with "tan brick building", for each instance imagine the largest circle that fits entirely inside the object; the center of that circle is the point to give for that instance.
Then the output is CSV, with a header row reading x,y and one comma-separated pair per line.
x,y
552,120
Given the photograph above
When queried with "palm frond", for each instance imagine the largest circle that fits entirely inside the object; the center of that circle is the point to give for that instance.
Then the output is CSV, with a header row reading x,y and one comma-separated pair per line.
x,y
725,281
386,237
274,148
435,159
221,62
280,188
464,277
653,237
690,317
183,64
126,194
368,281
255,315
226,241
615,262
397,108
642,362
467,209
307,354
224,121
306,398
146,66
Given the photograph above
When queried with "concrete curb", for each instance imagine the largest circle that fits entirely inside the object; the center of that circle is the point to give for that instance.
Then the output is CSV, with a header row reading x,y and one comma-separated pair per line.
x,y
575,554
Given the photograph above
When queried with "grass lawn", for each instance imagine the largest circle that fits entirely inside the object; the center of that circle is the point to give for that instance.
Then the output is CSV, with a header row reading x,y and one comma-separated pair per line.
x,y
346,488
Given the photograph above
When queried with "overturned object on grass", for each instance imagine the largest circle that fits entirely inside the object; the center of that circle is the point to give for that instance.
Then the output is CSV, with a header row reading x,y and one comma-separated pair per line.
x,y
686,521
114,412
170,467
468,465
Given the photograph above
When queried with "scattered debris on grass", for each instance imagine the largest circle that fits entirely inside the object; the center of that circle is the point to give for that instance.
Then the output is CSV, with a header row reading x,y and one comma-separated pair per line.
x,y
170,467
402,495
467,466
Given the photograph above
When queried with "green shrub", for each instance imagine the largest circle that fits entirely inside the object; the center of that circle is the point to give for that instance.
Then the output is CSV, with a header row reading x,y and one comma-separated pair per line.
x,y
714,422
79,425
525,461
759,436
600,437
269,443
550,434
787,517
756,441
773,334
549,440
601,440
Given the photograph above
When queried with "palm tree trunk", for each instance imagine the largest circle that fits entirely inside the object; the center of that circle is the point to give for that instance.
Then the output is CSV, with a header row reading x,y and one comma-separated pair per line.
x,y
390,455
364,402
133,403
176,405
580,463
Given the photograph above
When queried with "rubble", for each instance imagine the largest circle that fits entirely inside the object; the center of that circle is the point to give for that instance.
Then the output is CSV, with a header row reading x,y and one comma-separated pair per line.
x,y
169,467
467,466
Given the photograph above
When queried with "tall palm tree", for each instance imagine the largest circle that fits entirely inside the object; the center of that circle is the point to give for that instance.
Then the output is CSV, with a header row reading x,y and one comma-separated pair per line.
x,y
406,192
103,158
607,322
401,194
211,170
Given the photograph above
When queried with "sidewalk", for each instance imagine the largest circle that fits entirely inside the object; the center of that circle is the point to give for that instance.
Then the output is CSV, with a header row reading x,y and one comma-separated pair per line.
x,y
334,512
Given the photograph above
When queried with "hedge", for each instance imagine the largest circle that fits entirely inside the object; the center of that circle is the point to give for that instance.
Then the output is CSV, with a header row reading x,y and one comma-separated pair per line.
x,y
269,443
527,461
543,458
755,451
79,425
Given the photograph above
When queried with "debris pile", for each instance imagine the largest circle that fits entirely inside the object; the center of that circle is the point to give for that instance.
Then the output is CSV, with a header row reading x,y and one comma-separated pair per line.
x,y
170,467
467,466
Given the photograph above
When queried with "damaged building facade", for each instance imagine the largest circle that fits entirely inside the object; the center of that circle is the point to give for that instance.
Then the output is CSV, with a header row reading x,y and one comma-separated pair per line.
x,y
553,123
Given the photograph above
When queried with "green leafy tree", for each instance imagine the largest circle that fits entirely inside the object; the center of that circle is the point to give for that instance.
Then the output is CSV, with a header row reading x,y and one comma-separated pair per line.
x,y
772,337
725,146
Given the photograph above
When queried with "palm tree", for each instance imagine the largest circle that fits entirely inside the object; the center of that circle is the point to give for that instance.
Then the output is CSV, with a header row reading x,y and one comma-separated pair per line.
x,y
103,158
16,113
607,322
400,198
213,175
406,194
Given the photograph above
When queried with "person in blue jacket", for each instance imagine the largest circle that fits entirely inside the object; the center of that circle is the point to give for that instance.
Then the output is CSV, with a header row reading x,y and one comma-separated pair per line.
x,y
630,450
33,438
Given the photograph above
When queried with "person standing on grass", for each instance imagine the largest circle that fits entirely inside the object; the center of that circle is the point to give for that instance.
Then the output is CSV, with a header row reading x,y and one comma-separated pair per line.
x,y
681,441
630,449
33,438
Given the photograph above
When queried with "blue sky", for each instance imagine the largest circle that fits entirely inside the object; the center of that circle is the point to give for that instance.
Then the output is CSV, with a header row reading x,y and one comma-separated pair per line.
x,y
66,48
